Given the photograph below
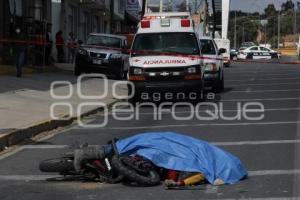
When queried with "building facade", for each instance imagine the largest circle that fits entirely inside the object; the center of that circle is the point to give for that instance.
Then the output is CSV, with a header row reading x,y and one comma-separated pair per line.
x,y
30,15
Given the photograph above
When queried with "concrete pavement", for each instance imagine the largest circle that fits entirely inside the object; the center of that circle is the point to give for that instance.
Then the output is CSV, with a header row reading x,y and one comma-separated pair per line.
x,y
26,103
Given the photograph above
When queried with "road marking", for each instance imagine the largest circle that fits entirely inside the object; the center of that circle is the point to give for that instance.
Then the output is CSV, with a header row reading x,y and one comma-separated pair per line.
x,y
244,74
265,79
236,72
239,143
45,177
265,198
26,177
274,172
262,91
267,99
201,125
45,147
242,143
120,112
262,84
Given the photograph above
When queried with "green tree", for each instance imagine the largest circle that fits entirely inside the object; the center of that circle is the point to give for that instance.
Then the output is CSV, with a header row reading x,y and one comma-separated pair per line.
x,y
289,5
270,10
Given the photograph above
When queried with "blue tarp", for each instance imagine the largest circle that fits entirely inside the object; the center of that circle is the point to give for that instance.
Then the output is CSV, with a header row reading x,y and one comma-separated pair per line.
x,y
183,153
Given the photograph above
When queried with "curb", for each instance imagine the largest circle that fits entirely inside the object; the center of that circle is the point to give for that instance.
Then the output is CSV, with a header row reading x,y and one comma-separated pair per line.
x,y
17,136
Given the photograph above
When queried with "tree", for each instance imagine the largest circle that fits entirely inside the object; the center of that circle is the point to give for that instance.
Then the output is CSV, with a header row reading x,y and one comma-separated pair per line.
x,y
287,5
270,10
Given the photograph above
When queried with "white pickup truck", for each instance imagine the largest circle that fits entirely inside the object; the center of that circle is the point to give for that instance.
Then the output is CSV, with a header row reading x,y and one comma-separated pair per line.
x,y
224,44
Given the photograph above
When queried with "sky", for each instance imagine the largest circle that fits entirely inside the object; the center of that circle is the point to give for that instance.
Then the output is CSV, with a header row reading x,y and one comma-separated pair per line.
x,y
246,5
255,5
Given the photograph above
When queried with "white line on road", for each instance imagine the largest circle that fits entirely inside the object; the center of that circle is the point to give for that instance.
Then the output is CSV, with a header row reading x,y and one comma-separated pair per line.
x,y
262,84
263,79
242,143
262,91
238,143
45,177
274,172
265,198
245,74
121,112
267,99
26,177
201,125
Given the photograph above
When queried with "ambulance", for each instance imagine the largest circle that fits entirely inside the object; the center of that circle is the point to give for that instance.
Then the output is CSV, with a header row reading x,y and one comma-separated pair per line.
x,y
165,57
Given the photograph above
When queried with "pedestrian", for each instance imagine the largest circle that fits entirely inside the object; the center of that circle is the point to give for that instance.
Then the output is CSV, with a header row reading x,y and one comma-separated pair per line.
x,y
71,44
60,46
20,50
49,41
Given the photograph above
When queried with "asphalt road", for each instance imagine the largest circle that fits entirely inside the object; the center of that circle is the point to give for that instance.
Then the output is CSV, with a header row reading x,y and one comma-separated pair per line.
x,y
269,148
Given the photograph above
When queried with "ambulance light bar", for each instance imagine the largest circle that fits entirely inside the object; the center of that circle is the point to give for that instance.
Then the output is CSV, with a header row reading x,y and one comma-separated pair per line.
x,y
166,23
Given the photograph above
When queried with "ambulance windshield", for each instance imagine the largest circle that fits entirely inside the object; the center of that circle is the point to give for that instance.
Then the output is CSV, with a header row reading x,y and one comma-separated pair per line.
x,y
155,43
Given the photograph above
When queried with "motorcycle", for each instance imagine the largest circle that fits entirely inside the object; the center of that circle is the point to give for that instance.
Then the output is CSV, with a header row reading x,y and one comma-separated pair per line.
x,y
112,169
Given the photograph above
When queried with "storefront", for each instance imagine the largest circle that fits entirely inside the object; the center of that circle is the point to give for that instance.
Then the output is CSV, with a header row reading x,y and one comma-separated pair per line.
x,y
31,16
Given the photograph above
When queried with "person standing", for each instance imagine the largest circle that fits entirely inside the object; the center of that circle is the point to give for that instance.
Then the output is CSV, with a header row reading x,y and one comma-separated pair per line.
x,y
49,43
71,44
20,50
60,46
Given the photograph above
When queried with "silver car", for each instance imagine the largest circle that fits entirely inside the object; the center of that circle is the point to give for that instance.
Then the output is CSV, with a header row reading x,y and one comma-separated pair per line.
x,y
104,53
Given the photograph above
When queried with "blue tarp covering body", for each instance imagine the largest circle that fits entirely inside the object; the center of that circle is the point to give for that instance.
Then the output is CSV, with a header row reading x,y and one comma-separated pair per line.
x,y
182,153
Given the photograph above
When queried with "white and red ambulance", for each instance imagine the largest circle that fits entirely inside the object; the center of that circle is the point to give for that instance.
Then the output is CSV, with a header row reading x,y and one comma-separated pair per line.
x,y
165,56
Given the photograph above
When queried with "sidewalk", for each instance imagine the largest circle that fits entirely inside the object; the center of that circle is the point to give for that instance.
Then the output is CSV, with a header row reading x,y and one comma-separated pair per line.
x,y
25,103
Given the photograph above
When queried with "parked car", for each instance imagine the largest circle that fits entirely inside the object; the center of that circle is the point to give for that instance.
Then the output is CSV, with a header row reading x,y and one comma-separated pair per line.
x,y
233,54
224,44
247,44
103,53
213,62
257,52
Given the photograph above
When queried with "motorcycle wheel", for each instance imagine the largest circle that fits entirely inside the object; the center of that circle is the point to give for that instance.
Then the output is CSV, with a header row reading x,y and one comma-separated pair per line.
x,y
60,165
150,178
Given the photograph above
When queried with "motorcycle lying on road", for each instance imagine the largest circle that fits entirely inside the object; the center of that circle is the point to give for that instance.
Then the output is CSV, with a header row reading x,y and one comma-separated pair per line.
x,y
114,168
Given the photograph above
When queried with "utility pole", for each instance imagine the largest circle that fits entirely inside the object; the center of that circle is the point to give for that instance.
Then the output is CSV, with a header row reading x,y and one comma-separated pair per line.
x,y
235,29
214,16
161,5
187,5
144,8
278,35
295,26
243,32
112,12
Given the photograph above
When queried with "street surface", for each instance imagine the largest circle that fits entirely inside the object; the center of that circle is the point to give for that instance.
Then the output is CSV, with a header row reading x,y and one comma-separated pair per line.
x,y
269,148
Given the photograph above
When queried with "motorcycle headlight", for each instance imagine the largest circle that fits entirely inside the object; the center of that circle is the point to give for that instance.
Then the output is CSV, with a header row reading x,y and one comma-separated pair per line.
x,y
82,52
115,56
191,70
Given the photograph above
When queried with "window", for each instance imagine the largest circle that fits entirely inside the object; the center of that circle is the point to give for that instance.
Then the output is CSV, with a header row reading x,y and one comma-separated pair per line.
x,y
264,49
207,47
104,41
254,49
181,43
